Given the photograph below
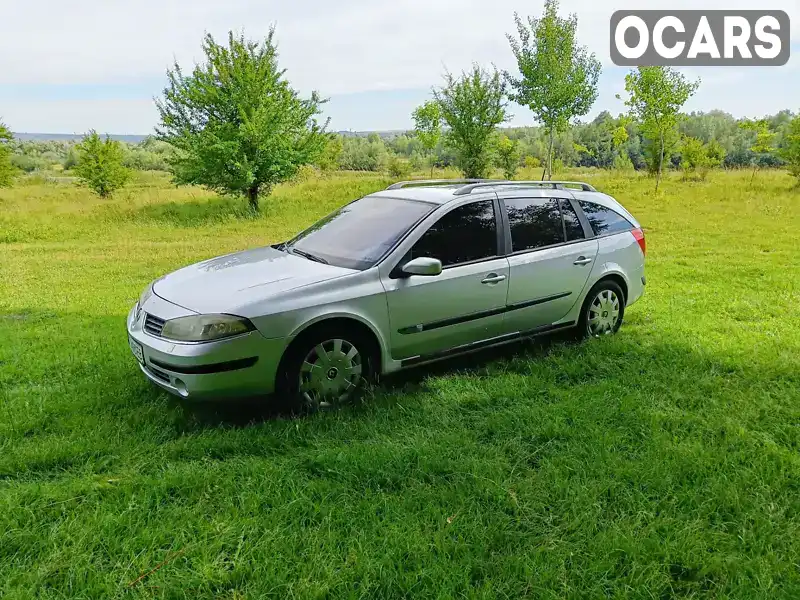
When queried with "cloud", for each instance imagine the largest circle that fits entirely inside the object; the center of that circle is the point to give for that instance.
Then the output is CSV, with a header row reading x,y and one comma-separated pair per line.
x,y
342,48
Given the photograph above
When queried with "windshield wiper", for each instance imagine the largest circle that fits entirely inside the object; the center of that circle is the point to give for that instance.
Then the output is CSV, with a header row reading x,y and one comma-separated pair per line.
x,y
307,255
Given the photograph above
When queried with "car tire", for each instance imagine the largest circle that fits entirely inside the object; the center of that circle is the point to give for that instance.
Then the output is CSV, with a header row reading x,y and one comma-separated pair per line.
x,y
603,310
324,368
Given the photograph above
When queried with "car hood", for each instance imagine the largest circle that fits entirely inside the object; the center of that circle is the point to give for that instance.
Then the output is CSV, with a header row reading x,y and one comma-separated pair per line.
x,y
228,283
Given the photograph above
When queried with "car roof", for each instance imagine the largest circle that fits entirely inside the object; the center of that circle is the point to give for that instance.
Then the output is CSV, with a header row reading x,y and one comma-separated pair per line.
x,y
446,193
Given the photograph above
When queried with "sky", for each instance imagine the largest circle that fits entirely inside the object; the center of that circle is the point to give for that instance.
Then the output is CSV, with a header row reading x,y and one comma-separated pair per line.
x,y
67,67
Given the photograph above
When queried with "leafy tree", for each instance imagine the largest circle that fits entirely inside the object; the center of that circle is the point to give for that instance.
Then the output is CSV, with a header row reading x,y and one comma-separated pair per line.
x,y
558,76
790,150
100,165
764,140
329,158
428,127
472,106
507,156
7,170
238,126
656,95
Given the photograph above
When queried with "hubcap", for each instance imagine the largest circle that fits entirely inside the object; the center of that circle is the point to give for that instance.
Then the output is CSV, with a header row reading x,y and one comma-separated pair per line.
x,y
603,313
331,371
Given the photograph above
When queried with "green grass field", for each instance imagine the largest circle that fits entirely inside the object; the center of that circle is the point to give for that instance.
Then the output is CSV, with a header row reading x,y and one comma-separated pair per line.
x,y
661,463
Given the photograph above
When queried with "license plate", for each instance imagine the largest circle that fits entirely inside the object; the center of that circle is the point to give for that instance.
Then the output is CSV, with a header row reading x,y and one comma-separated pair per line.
x,y
136,348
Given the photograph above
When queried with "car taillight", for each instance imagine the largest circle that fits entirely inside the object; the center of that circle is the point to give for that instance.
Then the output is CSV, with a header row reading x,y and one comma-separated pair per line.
x,y
638,234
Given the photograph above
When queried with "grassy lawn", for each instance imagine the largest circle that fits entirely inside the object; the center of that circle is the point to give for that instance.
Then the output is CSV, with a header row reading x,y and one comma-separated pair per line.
x,y
661,463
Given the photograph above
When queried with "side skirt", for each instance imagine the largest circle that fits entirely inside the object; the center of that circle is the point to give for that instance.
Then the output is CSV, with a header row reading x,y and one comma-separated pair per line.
x,y
501,340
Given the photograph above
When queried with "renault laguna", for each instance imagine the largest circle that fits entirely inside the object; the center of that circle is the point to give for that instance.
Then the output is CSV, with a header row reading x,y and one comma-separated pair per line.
x,y
406,276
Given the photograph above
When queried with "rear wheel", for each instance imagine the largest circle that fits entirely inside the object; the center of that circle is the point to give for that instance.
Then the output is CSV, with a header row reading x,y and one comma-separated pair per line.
x,y
326,368
603,310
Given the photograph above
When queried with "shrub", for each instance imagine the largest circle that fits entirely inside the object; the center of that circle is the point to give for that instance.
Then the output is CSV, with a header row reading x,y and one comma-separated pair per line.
x,y
531,162
100,165
399,168
507,156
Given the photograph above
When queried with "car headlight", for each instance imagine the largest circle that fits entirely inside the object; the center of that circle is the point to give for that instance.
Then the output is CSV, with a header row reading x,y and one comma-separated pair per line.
x,y
148,291
205,328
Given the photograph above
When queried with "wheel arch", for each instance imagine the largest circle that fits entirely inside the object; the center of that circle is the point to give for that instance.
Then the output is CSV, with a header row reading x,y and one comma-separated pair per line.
x,y
362,326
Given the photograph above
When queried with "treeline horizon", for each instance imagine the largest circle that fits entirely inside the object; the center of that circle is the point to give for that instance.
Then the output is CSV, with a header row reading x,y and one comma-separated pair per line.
x,y
584,144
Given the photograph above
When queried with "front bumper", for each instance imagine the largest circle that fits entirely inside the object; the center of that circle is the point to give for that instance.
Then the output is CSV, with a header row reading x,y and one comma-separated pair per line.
x,y
245,365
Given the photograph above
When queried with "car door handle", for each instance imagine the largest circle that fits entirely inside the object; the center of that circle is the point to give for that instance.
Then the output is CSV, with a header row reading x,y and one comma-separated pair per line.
x,y
582,260
493,278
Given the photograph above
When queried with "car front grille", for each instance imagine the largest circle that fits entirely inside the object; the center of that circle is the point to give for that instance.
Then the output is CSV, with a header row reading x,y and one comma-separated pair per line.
x,y
153,325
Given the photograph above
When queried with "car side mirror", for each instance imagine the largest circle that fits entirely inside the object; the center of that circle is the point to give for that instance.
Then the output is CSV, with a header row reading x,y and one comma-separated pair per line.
x,y
423,266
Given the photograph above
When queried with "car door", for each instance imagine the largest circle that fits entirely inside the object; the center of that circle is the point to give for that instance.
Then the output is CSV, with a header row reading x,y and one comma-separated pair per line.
x,y
550,256
465,302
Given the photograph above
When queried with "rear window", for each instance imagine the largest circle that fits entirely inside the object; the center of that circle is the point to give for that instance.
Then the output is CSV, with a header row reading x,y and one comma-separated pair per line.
x,y
604,220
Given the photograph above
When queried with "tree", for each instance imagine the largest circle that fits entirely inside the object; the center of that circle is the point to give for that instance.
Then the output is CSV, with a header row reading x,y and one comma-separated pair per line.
x,y
238,126
329,157
763,144
472,106
7,170
428,127
656,95
100,165
507,156
790,149
558,76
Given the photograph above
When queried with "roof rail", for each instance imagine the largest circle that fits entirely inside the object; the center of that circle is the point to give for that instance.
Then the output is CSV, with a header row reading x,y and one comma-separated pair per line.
x,y
556,185
414,182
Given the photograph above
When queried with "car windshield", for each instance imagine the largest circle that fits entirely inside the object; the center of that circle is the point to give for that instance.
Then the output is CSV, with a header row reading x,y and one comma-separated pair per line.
x,y
358,235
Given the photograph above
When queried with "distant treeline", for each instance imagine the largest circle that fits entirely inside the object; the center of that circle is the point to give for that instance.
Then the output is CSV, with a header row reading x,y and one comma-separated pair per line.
x,y
583,145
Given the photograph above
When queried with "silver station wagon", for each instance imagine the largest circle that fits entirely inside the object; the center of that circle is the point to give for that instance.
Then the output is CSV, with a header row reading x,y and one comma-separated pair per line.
x,y
418,272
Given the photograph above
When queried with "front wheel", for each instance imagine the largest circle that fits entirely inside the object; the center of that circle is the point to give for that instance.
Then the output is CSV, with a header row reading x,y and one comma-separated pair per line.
x,y
324,369
603,310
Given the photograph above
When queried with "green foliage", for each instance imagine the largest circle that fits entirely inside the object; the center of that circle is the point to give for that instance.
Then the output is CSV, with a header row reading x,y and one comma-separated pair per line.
x,y
764,143
507,156
697,158
656,96
99,165
238,126
472,106
7,169
329,158
790,149
532,162
363,153
428,127
558,79
399,167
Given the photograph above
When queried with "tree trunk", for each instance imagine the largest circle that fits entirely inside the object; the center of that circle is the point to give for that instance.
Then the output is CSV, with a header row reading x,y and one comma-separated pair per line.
x,y
252,197
432,160
549,164
660,162
753,176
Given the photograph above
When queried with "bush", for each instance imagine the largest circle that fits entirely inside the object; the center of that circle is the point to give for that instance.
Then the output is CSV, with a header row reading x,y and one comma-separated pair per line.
x,y
100,165
399,168
531,162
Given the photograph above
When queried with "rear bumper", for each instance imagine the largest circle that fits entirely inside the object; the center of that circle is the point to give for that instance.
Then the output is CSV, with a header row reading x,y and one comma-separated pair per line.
x,y
245,365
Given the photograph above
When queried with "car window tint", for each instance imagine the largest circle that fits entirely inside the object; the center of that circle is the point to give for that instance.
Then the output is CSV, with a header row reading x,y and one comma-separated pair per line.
x,y
464,234
572,224
604,220
534,222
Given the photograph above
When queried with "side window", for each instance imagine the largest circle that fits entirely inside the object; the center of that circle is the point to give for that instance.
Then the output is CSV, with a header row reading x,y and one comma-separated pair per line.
x,y
572,224
534,222
604,220
464,234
